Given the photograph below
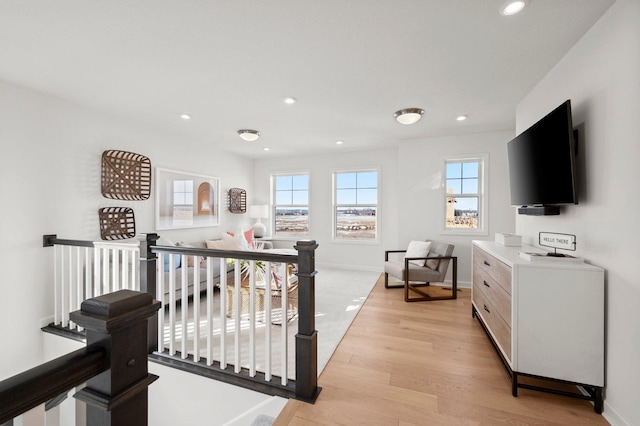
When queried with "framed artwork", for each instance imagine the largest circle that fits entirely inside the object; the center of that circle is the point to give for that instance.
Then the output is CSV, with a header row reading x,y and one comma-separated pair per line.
x,y
186,200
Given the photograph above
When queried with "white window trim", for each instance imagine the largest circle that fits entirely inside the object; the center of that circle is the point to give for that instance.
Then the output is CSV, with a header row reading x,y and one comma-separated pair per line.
x,y
272,205
369,241
483,199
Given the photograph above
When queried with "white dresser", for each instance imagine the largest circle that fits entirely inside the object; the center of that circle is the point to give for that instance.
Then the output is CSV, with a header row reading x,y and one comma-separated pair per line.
x,y
545,317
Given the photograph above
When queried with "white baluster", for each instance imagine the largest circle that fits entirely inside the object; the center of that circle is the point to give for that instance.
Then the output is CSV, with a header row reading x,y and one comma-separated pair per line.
x,y
172,304
267,330
57,312
237,314
88,294
223,312
115,267
285,327
209,324
184,305
196,309
136,270
96,272
126,280
64,294
252,318
33,417
105,271
160,297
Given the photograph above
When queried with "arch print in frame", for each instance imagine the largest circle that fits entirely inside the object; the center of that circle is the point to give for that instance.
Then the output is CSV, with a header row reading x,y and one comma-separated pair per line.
x,y
186,200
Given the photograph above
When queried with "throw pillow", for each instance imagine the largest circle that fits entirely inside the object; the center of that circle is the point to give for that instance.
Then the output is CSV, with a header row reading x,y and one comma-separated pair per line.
x,y
418,249
433,263
190,259
176,258
164,241
228,243
248,236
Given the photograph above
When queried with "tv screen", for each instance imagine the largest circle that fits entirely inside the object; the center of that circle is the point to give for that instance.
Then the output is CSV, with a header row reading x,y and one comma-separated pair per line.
x,y
542,161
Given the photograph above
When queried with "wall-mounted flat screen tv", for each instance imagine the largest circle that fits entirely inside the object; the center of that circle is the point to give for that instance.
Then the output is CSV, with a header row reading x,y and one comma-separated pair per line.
x,y
542,164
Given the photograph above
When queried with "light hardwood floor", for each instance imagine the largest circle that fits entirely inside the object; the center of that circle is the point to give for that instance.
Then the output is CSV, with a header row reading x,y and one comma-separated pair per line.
x,y
424,363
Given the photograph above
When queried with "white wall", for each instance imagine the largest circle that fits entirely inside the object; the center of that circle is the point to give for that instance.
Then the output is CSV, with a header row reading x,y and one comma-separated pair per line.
x,y
410,196
364,256
601,77
421,191
50,170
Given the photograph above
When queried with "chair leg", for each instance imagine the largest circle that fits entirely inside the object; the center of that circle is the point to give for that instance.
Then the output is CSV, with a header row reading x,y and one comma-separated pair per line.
x,y
406,289
424,296
386,282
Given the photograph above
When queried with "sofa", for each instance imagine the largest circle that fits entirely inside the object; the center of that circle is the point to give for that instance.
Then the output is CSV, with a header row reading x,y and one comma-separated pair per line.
x,y
191,266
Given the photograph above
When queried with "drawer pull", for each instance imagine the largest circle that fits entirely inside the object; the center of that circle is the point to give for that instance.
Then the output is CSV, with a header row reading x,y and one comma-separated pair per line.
x,y
486,309
486,284
486,263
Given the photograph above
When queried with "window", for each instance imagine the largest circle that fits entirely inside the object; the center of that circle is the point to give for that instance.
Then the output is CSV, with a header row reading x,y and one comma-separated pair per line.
x,y
356,205
291,203
464,195
182,202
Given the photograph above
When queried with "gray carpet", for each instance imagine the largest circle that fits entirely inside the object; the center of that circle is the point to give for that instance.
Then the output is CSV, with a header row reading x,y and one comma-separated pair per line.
x,y
339,295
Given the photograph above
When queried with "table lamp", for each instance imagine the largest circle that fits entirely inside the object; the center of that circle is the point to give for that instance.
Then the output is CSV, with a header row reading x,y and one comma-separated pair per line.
x,y
258,212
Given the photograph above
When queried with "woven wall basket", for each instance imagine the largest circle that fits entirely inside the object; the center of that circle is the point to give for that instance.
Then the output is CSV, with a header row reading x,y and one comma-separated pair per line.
x,y
117,223
237,200
125,175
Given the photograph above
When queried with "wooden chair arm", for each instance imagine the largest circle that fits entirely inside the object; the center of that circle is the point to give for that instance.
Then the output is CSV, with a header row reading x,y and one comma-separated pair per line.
x,y
386,253
407,259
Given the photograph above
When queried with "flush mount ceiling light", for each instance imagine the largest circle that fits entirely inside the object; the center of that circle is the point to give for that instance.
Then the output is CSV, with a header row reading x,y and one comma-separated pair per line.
x,y
408,115
249,135
511,7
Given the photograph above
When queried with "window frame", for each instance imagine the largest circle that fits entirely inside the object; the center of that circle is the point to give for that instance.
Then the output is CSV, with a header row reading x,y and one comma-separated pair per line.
x,y
334,237
274,205
482,194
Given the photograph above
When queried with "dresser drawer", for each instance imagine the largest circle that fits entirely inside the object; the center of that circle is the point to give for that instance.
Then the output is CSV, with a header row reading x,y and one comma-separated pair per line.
x,y
499,298
494,322
499,271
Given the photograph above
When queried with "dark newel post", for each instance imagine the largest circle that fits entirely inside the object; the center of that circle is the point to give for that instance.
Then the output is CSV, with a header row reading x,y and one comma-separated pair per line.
x,y
148,283
307,337
118,322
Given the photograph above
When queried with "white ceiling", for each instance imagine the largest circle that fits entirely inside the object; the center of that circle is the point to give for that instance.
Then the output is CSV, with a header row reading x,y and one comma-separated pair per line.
x,y
350,63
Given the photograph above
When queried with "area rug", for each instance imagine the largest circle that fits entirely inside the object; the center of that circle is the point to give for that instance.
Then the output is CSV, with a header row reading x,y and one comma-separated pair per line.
x,y
340,293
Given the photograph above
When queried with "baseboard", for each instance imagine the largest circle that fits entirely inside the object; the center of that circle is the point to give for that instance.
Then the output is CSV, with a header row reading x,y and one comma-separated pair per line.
x,y
350,267
613,417
46,321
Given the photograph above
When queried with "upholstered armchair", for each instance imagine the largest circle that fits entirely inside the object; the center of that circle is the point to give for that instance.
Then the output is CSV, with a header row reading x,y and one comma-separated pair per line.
x,y
424,262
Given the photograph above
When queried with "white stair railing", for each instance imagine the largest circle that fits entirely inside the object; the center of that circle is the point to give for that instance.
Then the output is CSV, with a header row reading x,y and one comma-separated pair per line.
x,y
85,271
227,322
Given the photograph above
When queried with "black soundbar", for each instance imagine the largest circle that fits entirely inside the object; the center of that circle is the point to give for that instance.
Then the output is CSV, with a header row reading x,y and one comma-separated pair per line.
x,y
539,210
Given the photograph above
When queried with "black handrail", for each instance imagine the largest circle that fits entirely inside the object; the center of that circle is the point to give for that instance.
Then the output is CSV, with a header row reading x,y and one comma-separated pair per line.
x,y
113,365
31,388
305,385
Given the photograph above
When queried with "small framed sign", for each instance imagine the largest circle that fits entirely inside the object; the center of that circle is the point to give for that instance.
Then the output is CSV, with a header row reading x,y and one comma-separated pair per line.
x,y
557,241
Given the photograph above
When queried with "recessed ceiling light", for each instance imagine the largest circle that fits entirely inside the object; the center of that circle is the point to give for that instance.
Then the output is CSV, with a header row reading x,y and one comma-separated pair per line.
x,y
511,7
339,142
185,116
266,148
249,135
289,100
462,117
408,115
